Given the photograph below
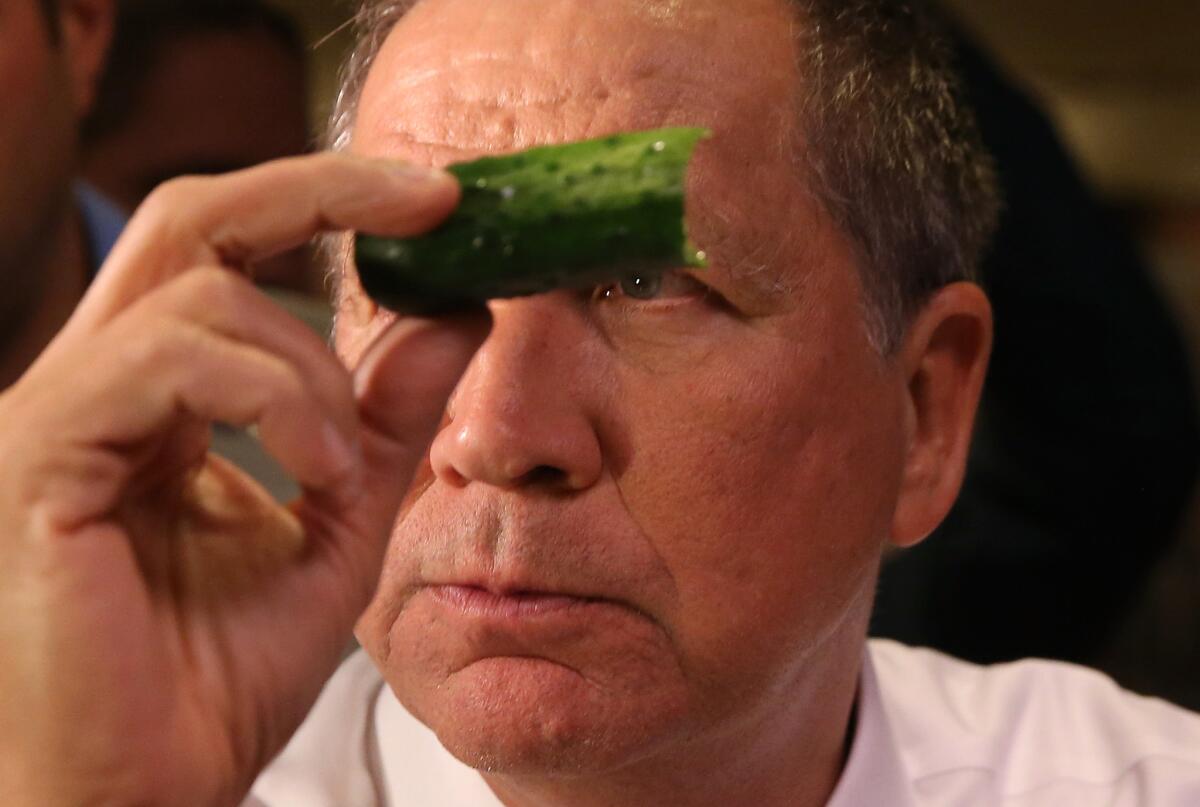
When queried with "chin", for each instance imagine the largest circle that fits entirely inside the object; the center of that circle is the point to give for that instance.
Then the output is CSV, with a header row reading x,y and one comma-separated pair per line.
x,y
530,717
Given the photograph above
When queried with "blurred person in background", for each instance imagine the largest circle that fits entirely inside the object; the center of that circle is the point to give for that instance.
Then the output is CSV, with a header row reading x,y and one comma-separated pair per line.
x,y
205,87
54,231
199,87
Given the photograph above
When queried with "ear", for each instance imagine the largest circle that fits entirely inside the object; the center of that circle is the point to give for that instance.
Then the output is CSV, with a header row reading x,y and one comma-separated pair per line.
x,y
87,27
944,357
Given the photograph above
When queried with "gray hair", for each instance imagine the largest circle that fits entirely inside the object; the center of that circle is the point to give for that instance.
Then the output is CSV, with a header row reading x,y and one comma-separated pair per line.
x,y
894,152
373,21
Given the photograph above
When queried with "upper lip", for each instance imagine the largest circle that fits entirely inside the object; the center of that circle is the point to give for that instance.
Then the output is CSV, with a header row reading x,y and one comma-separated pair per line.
x,y
552,577
500,580
517,587
511,547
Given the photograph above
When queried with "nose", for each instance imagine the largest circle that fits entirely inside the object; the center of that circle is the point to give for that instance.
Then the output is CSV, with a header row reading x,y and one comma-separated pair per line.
x,y
519,416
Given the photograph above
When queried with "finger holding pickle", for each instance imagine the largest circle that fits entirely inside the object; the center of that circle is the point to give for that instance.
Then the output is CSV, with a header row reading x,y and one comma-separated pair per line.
x,y
165,625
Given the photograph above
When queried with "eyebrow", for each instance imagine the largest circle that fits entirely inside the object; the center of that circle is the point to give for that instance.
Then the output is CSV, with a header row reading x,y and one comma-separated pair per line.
x,y
756,288
758,274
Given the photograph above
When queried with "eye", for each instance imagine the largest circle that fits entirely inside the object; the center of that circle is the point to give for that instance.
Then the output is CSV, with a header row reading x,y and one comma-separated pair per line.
x,y
650,286
640,287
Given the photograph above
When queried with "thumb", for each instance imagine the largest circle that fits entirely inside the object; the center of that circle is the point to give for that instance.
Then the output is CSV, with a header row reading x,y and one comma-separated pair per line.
x,y
402,385
405,377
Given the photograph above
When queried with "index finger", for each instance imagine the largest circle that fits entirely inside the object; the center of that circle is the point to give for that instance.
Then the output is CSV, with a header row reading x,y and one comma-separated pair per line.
x,y
248,215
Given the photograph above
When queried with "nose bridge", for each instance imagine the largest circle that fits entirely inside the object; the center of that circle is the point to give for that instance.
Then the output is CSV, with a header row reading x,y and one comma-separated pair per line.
x,y
517,360
519,414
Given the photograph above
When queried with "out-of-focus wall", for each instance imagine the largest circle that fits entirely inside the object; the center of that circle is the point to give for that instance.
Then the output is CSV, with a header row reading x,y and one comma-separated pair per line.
x,y
1122,80
323,23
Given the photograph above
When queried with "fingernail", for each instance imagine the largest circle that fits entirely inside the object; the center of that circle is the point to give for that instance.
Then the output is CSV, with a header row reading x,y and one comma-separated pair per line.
x,y
411,172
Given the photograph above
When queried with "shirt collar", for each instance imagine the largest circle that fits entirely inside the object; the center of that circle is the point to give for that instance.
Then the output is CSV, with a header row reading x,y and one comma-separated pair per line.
x,y
874,773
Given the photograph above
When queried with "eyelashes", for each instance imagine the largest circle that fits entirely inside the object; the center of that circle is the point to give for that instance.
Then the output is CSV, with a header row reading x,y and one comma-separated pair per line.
x,y
671,287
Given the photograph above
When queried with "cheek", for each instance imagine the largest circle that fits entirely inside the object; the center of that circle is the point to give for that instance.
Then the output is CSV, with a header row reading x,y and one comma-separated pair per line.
x,y
418,535
772,486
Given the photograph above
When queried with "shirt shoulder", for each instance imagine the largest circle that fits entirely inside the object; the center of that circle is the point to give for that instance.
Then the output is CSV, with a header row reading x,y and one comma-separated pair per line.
x,y
1032,733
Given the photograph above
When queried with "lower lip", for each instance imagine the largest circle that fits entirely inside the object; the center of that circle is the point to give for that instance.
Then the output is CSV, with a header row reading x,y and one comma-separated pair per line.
x,y
483,603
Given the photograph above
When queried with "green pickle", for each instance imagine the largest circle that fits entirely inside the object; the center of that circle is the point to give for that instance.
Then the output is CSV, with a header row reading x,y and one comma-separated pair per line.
x,y
570,216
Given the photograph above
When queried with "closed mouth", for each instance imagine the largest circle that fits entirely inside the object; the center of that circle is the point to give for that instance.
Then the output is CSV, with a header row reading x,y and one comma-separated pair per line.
x,y
482,602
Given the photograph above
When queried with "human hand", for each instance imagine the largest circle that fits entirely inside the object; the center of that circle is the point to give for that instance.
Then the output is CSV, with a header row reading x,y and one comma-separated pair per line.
x,y
164,625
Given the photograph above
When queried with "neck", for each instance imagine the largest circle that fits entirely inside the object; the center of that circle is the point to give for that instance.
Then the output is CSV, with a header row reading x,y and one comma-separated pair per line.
x,y
62,270
791,752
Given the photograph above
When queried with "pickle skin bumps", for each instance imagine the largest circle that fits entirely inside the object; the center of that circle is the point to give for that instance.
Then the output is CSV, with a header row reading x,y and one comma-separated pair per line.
x,y
567,216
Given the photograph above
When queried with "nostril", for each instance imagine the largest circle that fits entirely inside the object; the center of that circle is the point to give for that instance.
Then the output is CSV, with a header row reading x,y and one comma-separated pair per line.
x,y
544,476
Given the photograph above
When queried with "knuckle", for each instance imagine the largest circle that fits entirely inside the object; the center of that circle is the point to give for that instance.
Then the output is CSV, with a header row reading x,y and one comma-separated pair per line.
x,y
214,289
160,214
169,195
286,387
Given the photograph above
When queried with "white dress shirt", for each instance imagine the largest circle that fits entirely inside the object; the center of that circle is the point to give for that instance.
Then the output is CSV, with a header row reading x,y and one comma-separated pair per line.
x,y
931,731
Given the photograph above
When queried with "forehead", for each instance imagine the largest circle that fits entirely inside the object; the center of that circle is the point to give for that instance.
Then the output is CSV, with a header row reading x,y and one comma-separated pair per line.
x,y
459,78
481,76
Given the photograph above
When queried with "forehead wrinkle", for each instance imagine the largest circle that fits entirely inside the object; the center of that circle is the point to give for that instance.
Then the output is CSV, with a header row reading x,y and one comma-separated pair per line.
x,y
472,108
548,69
467,70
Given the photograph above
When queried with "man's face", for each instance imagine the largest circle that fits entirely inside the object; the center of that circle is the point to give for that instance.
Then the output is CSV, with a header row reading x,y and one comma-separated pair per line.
x,y
37,145
644,523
